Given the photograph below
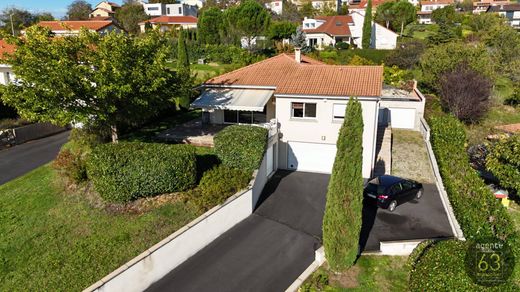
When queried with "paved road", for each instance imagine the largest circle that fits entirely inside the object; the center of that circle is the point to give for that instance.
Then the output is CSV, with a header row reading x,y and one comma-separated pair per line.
x,y
20,159
425,218
268,250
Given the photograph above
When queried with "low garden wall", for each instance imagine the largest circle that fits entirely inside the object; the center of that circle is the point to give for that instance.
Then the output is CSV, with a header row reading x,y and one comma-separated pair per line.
x,y
23,134
154,263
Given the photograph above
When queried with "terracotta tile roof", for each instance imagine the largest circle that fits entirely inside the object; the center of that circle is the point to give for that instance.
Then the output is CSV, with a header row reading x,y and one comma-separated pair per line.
x,y
95,25
103,9
6,48
310,77
334,25
505,7
172,19
447,2
511,128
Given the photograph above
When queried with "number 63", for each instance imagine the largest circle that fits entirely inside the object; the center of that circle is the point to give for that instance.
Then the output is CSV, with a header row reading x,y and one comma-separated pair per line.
x,y
492,262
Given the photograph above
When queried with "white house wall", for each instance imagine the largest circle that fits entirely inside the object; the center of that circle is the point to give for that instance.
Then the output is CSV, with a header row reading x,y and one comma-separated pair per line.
x,y
382,38
324,129
6,74
323,39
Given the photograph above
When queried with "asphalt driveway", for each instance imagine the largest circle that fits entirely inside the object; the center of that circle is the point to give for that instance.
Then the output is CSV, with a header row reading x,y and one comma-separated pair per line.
x,y
421,219
268,250
20,159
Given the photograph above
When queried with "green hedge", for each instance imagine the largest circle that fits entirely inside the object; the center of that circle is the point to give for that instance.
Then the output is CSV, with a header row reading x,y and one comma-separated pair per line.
x,y
343,210
241,147
125,171
220,183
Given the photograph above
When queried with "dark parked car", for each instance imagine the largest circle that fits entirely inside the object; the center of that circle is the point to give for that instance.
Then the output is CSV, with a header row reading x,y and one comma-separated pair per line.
x,y
390,191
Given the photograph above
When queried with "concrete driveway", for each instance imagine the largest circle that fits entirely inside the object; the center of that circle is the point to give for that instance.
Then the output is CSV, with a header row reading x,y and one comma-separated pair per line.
x,y
422,219
268,250
20,159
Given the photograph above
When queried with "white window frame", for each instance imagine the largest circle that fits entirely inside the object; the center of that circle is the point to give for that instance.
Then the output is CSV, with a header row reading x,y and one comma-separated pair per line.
x,y
333,110
304,105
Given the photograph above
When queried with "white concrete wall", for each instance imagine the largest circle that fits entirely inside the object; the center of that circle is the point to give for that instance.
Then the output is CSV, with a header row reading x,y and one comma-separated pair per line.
x,y
275,6
154,9
417,106
324,128
381,38
153,264
6,74
323,39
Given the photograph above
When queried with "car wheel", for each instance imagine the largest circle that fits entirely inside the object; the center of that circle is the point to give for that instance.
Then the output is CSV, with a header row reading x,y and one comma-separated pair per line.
x,y
392,206
418,195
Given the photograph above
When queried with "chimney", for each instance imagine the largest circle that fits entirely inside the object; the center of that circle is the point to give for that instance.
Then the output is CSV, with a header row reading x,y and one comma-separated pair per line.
x,y
298,55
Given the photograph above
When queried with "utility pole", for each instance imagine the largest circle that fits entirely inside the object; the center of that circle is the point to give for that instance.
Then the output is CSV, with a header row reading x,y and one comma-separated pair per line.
x,y
12,25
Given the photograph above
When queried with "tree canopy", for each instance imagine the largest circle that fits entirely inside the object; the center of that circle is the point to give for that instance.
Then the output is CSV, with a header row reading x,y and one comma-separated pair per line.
x,y
209,26
280,30
395,15
21,19
129,16
249,20
101,81
79,10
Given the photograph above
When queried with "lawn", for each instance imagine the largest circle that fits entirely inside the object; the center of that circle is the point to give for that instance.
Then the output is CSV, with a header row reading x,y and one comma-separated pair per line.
x,y
57,241
203,72
410,157
371,273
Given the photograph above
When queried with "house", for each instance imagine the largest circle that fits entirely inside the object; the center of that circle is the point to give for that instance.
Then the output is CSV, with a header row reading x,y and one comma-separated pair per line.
x,y
483,5
425,15
305,99
105,9
275,6
72,27
509,11
325,31
166,23
177,9
6,71
362,5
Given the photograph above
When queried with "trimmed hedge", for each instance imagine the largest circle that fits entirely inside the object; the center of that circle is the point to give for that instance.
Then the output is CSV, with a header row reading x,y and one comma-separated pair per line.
x,y
126,171
220,183
343,210
241,147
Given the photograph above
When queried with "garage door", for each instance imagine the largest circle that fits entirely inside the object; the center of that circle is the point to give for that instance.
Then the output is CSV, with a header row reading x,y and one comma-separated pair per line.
x,y
312,157
402,118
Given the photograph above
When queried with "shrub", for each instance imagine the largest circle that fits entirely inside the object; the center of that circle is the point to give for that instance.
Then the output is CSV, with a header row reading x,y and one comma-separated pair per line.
x,y
465,93
342,46
241,147
514,99
318,281
504,162
407,55
125,171
395,76
342,219
220,183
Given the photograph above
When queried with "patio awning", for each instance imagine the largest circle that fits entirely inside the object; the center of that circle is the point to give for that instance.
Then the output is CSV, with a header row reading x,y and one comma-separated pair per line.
x,y
233,99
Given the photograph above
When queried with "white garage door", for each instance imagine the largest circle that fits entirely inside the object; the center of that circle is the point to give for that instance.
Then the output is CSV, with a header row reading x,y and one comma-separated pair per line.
x,y
402,118
312,157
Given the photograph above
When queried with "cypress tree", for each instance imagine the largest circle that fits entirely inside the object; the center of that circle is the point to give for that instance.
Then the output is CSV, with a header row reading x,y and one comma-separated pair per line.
x,y
367,26
183,62
343,218
183,96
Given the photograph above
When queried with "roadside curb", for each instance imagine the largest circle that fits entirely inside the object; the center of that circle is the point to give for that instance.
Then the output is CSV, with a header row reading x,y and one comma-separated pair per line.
x,y
319,259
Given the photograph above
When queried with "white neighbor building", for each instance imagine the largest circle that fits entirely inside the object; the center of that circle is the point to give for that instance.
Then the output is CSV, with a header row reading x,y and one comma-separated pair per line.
x,y
427,7
178,9
6,71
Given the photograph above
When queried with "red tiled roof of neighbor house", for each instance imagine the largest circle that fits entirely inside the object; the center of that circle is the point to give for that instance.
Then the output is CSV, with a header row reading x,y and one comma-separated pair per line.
x,y
95,25
511,128
172,19
310,77
104,9
433,2
6,48
505,7
334,25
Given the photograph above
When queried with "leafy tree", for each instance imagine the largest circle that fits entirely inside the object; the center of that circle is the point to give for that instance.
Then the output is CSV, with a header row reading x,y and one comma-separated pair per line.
x,y
443,58
446,15
385,14
445,34
466,5
367,27
250,19
504,44
307,10
79,10
102,81
504,162
129,16
407,55
404,13
16,19
484,21
514,98
343,9
290,12
465,93
329,9
342,219
44,16
280,30
209,26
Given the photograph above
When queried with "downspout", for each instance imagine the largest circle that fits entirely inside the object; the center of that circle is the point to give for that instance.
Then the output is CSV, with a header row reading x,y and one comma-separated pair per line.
x,y
374,138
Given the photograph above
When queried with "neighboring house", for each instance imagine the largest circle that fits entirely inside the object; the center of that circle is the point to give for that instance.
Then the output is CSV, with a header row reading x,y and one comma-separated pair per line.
x,y
362,5
72,27
305,98
105,9
483,5
166,23
325,31
427,7
178,9
509,11
6,71
275,6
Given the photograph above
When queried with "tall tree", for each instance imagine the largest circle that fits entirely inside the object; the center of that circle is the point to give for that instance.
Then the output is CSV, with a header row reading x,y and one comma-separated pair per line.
x,y
79,10
307,10
129,16
385,14
249,20
102,81
182,99
209,26
14,20
445,15
367,27
183,62
342,218
280,30
404,13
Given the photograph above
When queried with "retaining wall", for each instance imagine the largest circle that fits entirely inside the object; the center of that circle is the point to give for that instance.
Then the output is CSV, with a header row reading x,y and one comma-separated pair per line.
x,y
23,134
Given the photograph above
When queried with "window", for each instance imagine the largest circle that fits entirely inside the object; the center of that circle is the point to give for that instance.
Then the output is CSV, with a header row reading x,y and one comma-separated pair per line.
x,y
180,10
338,111
168,10
306,25
153,8
7,77
244,117
406,185
303,110
313,42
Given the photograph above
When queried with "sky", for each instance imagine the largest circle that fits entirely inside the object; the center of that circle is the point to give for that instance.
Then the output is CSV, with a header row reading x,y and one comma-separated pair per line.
x,y
56,7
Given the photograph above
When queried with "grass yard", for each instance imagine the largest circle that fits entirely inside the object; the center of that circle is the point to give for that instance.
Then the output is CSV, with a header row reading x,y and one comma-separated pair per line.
x,y
203,72
410,157
497,115
371,273
53,241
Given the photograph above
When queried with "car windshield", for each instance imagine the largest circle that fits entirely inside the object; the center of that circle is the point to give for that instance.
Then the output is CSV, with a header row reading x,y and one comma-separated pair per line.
x,y
373,188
